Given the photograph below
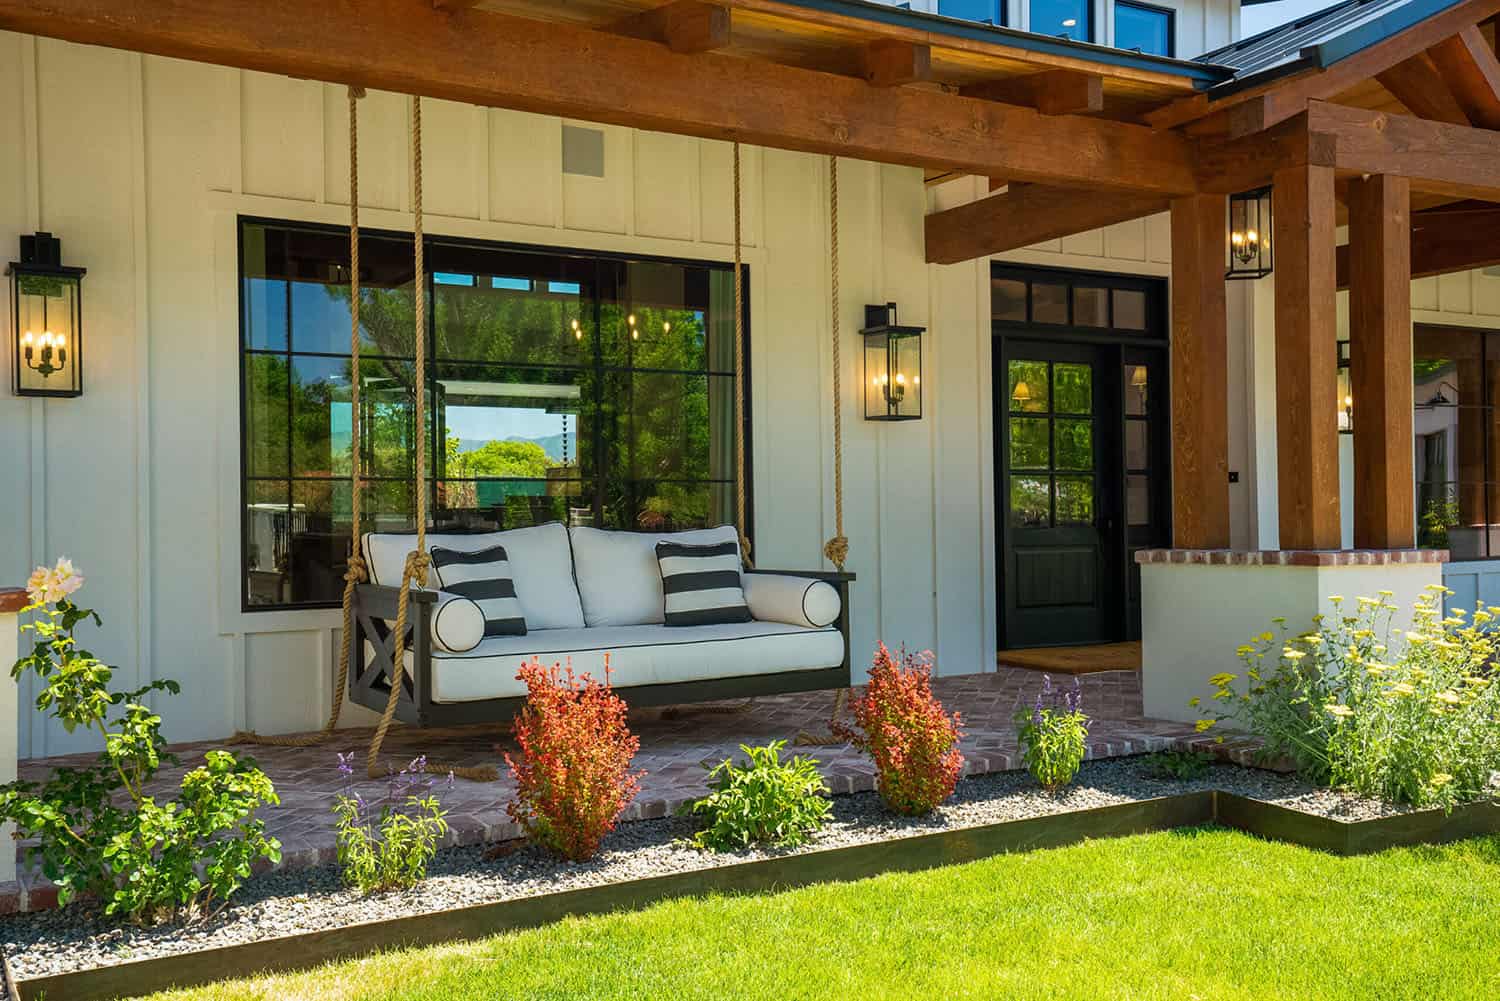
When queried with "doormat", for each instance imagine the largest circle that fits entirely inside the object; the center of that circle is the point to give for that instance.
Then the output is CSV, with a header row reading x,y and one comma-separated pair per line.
x,y
1075,659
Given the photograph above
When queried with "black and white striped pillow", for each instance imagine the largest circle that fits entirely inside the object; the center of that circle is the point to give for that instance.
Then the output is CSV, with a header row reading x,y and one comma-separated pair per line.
x,y
701,584
484,578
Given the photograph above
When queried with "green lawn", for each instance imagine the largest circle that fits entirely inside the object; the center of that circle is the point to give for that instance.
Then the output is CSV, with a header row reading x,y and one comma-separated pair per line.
x,y
1207,914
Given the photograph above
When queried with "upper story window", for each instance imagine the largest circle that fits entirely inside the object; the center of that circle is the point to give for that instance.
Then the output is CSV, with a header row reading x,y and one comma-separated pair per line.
x,y
991,11
1072,18
562,386
1144,27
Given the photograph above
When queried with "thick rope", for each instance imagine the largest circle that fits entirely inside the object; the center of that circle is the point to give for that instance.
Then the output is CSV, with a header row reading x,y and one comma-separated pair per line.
x,y
354,573
739,372
836,548
417,561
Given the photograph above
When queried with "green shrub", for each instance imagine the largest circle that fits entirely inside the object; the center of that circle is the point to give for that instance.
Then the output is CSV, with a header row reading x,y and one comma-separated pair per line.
x,y
1053,733
767,801
1411,718
387,846
1180,765
100,833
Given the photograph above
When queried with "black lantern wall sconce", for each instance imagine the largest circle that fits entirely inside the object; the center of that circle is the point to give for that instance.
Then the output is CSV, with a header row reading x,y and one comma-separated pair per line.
x,y
893,366
1250,234
46,320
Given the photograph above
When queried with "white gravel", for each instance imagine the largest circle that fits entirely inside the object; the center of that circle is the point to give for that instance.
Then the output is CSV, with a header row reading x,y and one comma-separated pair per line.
x,y
287,902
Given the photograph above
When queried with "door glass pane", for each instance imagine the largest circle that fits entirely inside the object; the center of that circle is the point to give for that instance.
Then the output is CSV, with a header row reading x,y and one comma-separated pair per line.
x,y
1075,444
1029,390
1049,303
1090,307
1029,501
1028,442
1137,500
1073,388
1075,500
1136,377
1137,445
1130,309
1008,300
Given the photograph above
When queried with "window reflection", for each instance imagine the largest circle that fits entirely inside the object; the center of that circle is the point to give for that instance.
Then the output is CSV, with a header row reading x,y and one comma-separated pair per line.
x,y
1455,382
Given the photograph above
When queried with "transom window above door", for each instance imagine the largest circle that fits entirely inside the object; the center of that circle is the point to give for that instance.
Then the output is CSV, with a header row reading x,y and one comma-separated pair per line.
x,y
1109,304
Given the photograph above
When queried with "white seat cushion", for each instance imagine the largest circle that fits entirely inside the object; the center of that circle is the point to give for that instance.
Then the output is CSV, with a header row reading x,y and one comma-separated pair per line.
x,y
541,564
619,580
639,655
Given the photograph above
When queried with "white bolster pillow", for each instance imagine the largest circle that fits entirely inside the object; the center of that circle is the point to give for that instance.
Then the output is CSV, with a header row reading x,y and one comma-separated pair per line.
x,y
457,623
797,601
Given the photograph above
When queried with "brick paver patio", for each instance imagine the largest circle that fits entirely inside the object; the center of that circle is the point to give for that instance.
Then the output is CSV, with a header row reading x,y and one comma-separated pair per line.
x,y
677,745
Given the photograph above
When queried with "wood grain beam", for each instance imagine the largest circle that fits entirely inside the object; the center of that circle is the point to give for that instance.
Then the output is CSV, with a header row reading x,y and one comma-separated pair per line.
x,y
1307,441
1053,92
1460,237
891,63
556,68
1288,96
455,4
1415,83
686,26
1439,158
1228,166
1200,375
1380,362
1468,65
1026,214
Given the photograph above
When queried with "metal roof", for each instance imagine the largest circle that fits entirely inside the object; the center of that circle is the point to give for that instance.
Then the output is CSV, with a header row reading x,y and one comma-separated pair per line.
x,y
1318,40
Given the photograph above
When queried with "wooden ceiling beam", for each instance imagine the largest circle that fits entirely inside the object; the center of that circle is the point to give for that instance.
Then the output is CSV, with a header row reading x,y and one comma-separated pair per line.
x,y
1025,214
563,69
1452,160
1458,237
1415,83
686,26
1468,65
1233,165
888,62
1052,92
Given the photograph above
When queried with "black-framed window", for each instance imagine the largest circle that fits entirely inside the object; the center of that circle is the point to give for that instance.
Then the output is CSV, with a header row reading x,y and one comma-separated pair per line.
x,y
984,11
562,386
1072,18
1456,440
1145,28
1077,302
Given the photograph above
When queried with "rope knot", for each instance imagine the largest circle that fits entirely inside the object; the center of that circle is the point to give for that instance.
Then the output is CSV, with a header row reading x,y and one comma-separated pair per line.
x,y
417,565
837,551
357,572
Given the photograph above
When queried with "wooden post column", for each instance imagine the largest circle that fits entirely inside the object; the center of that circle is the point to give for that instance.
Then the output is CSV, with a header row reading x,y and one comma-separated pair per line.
x,y
1200,374
1380,361
1307,442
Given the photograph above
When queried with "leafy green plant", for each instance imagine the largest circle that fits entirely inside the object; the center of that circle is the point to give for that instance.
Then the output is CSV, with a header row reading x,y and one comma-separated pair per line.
x,y
1411,718
100,832
388,846
765,801
1052,734
1180,765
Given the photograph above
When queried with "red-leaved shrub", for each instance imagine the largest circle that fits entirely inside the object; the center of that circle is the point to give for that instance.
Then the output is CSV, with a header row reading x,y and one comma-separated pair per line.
x,y
573,779
904,728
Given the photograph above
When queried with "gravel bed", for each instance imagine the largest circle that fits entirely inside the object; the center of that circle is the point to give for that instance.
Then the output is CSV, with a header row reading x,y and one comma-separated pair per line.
x,y
290,902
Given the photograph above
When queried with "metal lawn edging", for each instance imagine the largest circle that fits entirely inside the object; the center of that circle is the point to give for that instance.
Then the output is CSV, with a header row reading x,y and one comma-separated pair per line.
x,y
904,854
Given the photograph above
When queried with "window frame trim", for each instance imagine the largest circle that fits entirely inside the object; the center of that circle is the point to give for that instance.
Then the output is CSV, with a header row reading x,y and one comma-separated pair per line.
x,y
1170,14
244,220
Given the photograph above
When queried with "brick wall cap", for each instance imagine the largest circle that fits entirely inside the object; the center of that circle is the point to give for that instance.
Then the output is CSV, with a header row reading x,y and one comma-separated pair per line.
x,y
1292,557
12,599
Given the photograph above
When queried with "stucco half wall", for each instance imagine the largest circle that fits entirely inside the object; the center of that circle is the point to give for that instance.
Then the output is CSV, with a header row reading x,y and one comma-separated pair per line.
x,y
1198,607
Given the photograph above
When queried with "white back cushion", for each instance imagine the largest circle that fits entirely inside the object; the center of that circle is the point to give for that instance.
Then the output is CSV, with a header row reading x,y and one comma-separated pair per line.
x,y
619,579
541,564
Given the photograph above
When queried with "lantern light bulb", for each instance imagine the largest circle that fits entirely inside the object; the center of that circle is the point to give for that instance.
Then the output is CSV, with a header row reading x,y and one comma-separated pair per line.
x,y
900,379
666,327
630,319
28,339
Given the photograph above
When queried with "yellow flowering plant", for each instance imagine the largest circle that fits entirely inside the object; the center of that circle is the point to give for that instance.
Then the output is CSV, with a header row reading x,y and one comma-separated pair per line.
x,y
1409,717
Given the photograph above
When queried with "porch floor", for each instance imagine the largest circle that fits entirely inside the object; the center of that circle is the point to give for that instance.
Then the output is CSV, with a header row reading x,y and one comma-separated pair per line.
x,y
676,747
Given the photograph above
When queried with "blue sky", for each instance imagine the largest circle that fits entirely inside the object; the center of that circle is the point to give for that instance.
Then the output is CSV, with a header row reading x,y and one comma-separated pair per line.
x,y
1261,16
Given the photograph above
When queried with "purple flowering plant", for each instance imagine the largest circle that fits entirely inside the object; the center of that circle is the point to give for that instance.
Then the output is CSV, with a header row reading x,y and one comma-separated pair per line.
x,y
1053,731
387,844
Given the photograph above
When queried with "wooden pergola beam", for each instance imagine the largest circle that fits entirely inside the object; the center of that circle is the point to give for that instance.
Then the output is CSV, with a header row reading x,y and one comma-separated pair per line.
x,y
892,63
562,69
1052,92
1453,238
1452,160
1025,214
686,26
1469,67
1415,83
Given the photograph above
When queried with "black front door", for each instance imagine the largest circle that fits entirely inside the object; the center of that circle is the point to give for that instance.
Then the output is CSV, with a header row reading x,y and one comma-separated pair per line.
x,y
1082,450
1058,510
